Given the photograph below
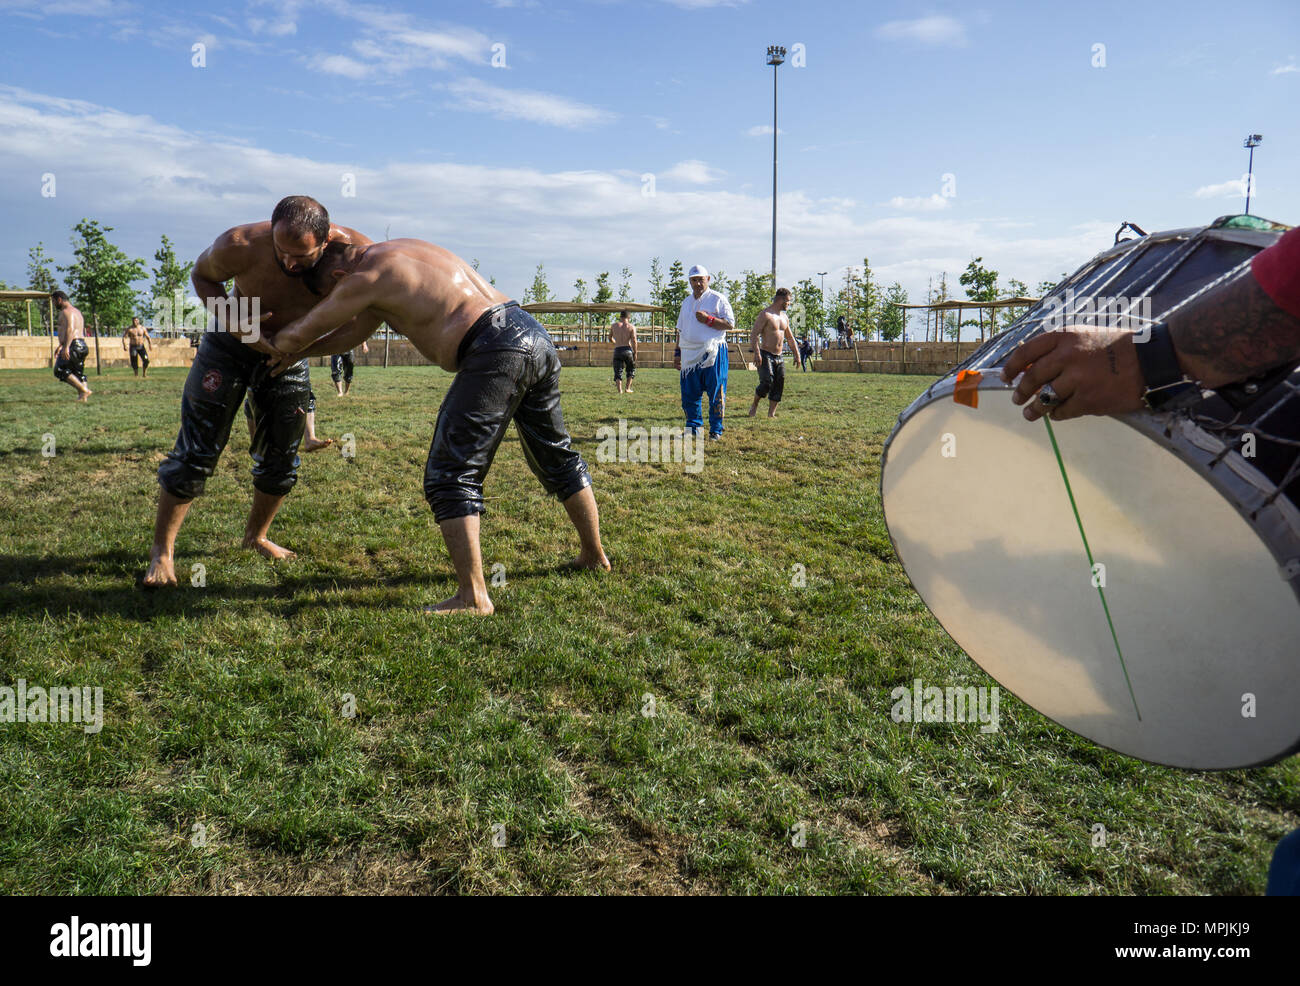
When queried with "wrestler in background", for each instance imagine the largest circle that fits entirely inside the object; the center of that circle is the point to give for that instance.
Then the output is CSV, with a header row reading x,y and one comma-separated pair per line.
x,y
70,358
771,332
135,340
623,335
342,366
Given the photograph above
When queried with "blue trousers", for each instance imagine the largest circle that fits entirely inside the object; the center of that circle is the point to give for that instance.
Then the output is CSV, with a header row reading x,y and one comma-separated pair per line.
x,y
707,381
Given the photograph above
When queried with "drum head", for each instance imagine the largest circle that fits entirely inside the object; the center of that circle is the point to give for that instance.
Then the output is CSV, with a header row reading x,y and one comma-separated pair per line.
x,y
1208,629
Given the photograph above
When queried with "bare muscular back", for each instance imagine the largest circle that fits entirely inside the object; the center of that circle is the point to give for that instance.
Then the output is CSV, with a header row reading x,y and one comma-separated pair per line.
x,y
247,254
622,332
71,325
428,294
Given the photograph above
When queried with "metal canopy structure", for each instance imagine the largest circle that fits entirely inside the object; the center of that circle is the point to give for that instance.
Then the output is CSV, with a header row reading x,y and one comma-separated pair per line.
x,y
29,297
588,308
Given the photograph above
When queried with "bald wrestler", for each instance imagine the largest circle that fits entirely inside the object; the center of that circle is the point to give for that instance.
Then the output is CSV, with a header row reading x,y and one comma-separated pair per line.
x,y
506,369
771,332
268,261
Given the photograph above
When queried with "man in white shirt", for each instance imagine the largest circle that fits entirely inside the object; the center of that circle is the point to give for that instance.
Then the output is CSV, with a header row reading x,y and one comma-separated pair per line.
x,y
701,355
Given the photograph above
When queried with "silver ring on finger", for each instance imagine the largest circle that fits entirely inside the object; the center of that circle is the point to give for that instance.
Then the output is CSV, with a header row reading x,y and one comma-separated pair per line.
x,y
1048,397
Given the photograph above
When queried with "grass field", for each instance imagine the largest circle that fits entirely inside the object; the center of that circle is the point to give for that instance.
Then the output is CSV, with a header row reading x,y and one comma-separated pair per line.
x,y
225,703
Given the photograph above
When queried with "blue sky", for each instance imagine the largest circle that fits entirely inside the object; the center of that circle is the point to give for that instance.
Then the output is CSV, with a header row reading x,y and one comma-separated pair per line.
x,y
544,158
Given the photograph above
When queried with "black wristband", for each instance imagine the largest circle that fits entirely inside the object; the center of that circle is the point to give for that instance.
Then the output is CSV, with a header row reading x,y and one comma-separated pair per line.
x,y
1167,387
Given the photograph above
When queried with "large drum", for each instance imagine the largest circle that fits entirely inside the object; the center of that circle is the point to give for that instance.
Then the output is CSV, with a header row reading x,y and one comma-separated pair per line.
x,y
1135,578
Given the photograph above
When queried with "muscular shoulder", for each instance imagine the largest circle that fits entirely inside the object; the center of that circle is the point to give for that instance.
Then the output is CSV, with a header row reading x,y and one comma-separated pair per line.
x,y
346,234
233,251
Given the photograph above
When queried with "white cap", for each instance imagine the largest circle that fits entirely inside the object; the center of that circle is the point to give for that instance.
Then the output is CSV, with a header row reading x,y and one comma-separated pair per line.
x,y
697,271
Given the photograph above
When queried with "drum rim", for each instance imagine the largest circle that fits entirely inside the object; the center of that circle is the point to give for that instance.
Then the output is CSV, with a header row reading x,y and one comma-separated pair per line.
x,y
1152,427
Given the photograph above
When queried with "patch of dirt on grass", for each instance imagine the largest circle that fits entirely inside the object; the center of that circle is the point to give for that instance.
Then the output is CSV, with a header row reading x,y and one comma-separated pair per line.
x,y
641,858
362,872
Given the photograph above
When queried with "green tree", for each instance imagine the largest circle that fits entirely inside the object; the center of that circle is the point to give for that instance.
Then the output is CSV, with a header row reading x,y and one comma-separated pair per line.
x,y
864,301
981,284
1015,289
892,320
625,284
100,276
657,284
752,298
677,288
945,321
539,290
808,308
720,283
1047,287
580,291
169,275
40,277
604,294
13,314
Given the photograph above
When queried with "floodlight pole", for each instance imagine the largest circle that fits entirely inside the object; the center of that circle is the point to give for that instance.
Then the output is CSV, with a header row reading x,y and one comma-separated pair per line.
x,y
1250,143
822,274
775,57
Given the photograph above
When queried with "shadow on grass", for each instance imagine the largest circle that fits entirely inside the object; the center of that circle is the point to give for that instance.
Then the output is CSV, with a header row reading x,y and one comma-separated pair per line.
x,y
84,450
20,596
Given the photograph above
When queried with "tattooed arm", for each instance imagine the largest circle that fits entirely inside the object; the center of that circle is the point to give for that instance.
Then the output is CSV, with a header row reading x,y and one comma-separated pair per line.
x,y
1233,332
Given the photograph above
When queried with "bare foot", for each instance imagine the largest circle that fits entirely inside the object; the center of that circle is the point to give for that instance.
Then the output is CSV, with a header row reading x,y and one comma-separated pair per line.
x,y
161,572
316,444
753,410
268,549
771,414
458,605
591,562
629,388
84,398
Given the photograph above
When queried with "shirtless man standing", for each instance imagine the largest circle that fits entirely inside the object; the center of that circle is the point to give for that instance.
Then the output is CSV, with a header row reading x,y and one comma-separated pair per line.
x,y
623,335
136,341
268,261
771,331
70,357
506,369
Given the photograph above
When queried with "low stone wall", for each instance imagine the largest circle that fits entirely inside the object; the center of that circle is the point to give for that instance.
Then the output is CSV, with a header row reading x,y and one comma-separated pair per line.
x,y
33,353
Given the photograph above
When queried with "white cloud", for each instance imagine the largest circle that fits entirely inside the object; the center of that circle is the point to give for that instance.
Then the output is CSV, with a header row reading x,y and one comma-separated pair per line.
x,y
524,104
936,29
1286,69
692,173
145,177
339,65
1224,190
762,130
931,203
